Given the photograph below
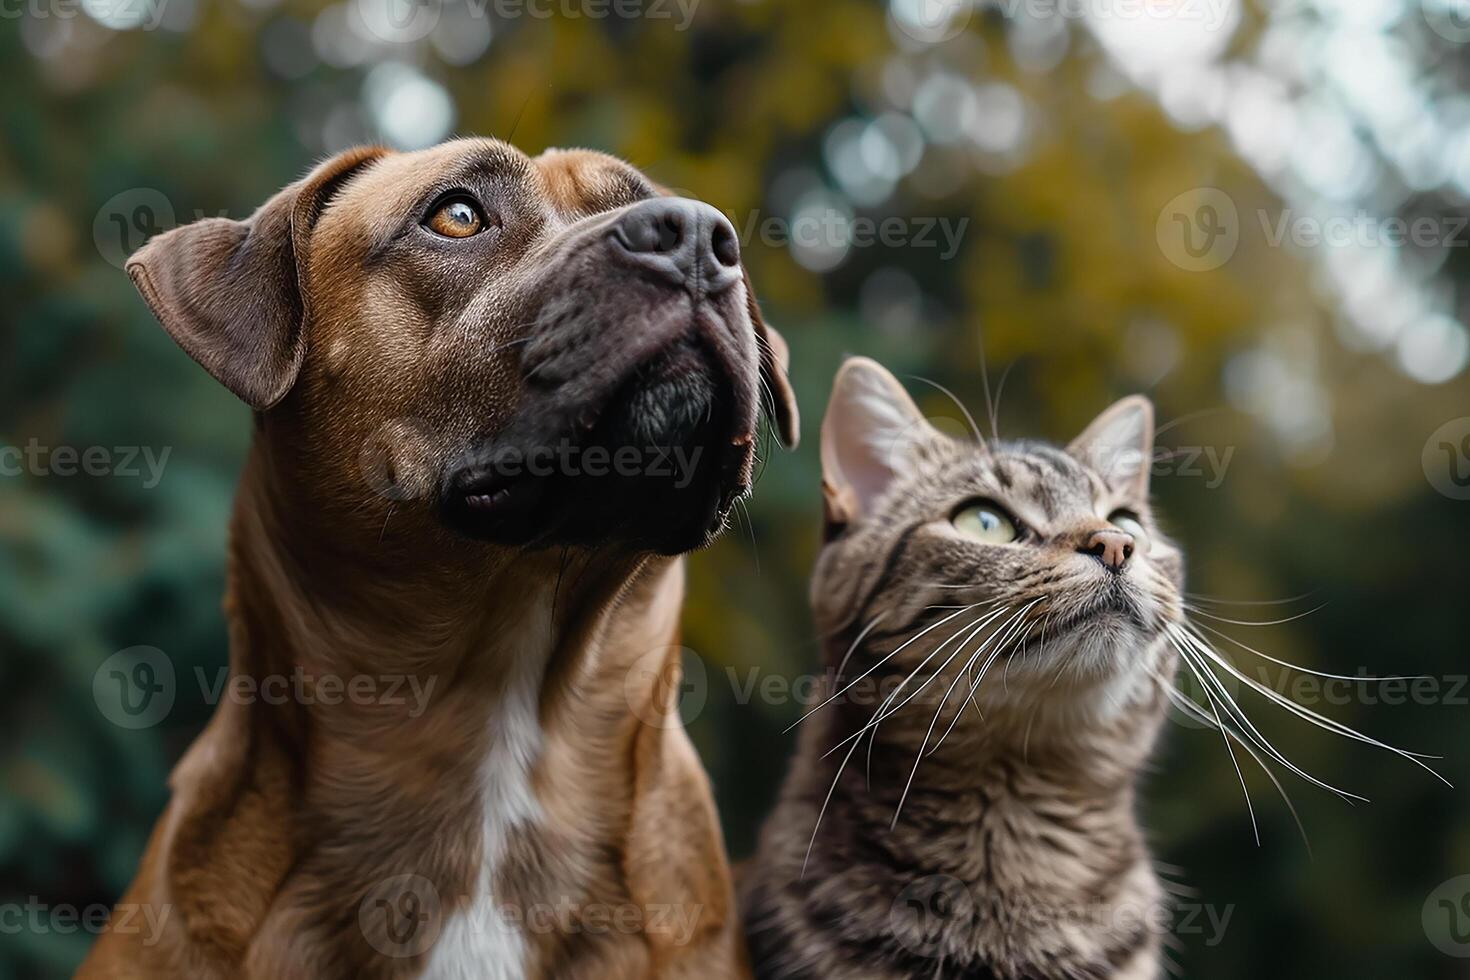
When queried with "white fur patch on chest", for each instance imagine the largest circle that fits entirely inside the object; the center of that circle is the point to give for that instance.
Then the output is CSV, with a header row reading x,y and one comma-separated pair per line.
x,y
478,942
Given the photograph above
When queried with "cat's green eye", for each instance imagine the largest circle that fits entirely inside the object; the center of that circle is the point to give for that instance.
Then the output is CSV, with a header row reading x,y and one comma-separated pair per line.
x,y
1126,520
985,523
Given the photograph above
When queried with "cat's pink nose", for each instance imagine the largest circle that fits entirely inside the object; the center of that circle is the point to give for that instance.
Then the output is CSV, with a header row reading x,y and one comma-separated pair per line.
x,y
1110,546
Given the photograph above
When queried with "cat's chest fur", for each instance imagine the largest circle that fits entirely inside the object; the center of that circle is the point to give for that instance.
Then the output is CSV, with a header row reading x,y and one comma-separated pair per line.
x,y
1018,879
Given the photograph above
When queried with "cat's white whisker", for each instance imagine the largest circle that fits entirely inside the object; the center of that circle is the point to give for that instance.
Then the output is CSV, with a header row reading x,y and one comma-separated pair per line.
x,y
1216,601
1305,670
880,715
881,662
959,676
1320,720
1196,610
1250,807
970,693
1196,712
825,803
1208,677
842,664
857,739
970,419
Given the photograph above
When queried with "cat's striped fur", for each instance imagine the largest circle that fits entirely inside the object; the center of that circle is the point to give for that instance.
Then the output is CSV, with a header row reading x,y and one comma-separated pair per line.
x,y
986,829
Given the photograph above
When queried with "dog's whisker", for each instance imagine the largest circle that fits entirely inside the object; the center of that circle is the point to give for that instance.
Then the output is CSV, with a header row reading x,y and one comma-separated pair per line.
x,y
744,515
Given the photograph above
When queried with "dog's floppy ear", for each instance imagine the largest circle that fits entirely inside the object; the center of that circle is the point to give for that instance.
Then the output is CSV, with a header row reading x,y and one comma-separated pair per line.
x,y
229,292
775,361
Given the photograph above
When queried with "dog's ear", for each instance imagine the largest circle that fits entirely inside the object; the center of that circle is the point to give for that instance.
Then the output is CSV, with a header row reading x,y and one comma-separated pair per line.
x,y
775,361
230,293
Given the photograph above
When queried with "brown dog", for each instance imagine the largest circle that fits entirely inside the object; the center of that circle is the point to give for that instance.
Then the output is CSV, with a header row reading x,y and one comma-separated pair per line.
x,y
493,395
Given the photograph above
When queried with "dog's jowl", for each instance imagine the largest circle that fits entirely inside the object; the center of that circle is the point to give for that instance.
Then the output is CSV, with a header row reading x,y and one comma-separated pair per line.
x,y
493,397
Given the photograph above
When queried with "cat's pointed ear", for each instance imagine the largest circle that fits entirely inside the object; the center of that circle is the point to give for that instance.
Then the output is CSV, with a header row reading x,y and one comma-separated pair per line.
x,y
868,434
1119,446
230,292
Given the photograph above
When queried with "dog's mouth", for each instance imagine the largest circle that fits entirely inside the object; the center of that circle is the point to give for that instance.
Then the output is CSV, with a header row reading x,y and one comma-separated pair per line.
x,y
655,462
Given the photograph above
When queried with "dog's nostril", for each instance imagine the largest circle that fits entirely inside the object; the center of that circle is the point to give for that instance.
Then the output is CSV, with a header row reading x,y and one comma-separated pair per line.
x,y
640,236
670,231
724,245
651,231
686,242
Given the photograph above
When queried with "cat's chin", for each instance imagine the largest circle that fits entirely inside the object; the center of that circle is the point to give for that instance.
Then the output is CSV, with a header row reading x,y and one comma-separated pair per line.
x,y
1096,648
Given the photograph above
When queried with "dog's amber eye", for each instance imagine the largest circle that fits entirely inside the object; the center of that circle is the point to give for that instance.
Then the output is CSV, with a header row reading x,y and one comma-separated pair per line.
x,y
458,218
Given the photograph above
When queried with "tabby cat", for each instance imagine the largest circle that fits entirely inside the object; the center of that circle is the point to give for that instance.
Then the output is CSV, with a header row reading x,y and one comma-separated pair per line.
x,y
995,623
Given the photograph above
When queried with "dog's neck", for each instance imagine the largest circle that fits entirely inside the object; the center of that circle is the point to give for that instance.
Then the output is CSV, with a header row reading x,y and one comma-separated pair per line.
x,y
421,695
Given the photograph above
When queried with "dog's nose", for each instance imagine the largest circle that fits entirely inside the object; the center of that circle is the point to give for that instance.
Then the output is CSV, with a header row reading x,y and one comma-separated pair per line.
x,y
1110,546
688,242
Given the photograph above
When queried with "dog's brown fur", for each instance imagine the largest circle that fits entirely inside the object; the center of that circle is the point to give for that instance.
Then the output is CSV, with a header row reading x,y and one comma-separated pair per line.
x,y
286,820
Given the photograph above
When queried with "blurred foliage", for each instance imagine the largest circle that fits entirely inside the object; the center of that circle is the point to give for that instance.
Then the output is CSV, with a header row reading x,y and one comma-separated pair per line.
x,y
1055,152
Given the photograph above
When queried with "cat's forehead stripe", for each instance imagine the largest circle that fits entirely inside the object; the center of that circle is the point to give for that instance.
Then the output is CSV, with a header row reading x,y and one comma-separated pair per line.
x,y
1044,477
1039,487
1065,465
